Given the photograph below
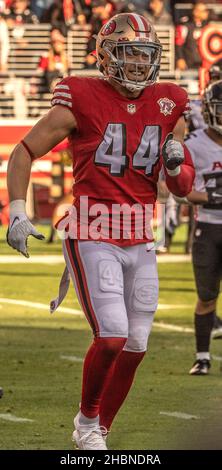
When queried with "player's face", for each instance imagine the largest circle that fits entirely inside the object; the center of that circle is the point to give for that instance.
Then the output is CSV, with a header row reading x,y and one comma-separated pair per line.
x,y
137,61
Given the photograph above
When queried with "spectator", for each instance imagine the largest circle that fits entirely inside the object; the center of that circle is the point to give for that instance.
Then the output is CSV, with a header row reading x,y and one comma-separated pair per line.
x,y
2,6
68,11
81,19
60,14
102,11
135,5
19,13
83,7
4,44
187,36
54,64
40,6
158,15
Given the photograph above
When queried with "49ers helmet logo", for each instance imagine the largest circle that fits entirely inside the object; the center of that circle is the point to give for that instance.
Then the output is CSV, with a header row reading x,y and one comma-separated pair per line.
x,y
109,28
166,106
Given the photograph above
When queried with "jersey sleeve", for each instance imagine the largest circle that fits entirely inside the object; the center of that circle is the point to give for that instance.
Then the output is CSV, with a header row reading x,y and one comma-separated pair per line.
x,y
62,94
69,93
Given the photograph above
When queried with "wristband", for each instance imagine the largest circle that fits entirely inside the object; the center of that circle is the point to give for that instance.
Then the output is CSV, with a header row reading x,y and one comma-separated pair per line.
x,y
17,207
174,172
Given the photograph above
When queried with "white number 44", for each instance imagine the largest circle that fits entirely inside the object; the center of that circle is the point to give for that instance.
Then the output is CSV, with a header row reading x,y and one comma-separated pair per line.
x,y
112,150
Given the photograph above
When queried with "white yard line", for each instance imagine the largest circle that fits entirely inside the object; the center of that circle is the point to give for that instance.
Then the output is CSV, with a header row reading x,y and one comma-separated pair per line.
x,y
15,419
72,311
173,306
39,306
169,326
178,414
34,259
58,259
173,258
72,358
217,358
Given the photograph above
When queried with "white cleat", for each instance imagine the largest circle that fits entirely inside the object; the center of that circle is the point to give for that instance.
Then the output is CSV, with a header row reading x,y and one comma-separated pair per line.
x,y
88,437
216,332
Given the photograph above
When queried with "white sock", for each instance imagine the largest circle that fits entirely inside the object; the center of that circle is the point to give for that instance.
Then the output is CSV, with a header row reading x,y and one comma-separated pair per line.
x,y
83,420
203,355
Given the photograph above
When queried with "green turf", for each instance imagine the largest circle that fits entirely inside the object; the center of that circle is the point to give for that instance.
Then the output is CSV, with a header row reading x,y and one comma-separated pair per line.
x,y
40,385
43,247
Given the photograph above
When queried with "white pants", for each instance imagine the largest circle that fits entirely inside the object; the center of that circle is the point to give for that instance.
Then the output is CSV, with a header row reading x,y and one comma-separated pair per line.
x,y
116,287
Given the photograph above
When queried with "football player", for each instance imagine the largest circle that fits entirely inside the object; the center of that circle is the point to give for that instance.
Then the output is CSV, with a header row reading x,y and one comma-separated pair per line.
x,y
123,128
205,146
215,71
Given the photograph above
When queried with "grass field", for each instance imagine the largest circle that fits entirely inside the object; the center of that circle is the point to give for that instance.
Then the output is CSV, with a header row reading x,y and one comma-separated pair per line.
x,y
43,385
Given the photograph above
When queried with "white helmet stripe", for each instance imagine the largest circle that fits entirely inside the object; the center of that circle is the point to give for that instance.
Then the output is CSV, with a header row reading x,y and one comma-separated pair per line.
x,y
139,25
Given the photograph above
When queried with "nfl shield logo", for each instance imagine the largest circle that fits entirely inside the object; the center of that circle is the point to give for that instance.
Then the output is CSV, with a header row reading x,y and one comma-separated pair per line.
x,y
131,108
166,105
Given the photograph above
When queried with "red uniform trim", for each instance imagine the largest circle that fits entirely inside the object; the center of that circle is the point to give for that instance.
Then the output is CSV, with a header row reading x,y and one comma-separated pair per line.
x,y
31,154
75,260
86,290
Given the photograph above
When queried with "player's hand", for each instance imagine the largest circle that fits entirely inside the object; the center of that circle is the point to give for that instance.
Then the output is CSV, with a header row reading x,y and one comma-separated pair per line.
x,y
215,196
173,153
19,230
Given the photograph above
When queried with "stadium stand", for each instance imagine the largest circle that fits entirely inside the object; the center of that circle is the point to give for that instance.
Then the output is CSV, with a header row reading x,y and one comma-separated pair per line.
x,y
28,42
184,9
26,46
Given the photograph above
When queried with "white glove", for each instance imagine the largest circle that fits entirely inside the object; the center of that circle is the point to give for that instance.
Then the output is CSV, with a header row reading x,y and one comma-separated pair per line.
x,y
20,228
173,155
171,214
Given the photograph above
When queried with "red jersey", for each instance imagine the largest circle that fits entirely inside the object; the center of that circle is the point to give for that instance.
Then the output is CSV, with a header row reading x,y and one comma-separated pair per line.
x,y
117,145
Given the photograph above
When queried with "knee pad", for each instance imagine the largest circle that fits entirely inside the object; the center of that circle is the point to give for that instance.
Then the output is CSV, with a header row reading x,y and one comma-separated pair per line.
x,y
140,325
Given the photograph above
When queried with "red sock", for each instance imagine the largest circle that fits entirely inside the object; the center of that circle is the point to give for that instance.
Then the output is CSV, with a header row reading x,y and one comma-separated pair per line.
x,y
118,385
98,362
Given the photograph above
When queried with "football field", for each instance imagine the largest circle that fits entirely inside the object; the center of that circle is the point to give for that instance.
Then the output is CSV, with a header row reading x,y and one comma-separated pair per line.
x,y
41,361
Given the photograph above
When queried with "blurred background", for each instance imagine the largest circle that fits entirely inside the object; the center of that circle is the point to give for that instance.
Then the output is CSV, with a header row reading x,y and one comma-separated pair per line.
x,y
41,355
43,40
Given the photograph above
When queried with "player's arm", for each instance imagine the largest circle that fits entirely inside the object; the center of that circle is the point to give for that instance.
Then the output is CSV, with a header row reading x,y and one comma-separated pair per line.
x,y
197,197
46,134
178,165
213,197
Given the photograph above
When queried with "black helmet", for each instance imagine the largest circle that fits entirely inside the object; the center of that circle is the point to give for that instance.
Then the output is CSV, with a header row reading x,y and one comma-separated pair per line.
x,y
212,106
215,72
